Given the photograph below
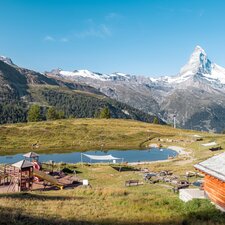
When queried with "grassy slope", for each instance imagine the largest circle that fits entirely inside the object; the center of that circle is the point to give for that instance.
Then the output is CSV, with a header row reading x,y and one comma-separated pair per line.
x,y
108,202
86,134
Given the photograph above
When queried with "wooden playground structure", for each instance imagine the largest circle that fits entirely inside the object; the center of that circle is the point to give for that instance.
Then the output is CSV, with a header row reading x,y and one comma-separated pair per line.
x,y
18,176
26,175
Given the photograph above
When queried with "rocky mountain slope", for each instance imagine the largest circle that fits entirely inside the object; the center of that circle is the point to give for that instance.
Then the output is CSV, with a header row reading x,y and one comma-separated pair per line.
x,y
196,95
20,88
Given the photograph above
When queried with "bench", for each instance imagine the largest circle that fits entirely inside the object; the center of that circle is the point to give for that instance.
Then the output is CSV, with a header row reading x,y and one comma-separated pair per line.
x,y
215,148
180,186
129,183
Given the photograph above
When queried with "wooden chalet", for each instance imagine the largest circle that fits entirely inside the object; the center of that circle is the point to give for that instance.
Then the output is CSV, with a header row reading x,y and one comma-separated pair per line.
x,y
214,180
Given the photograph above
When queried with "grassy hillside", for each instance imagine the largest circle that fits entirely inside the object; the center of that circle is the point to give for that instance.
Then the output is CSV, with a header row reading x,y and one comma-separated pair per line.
x,y
108,201
76,134
88,134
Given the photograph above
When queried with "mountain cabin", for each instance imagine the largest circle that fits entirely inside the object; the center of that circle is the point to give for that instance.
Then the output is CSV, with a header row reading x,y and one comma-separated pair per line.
x,y
214,180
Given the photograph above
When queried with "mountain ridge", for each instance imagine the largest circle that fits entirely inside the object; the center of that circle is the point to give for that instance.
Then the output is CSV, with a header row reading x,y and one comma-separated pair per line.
x,y
20,88
198,77
197,64
196,95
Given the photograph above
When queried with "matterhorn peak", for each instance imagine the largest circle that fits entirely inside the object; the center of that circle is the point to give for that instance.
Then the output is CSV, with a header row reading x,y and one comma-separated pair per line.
x,y
198,55
197,64
199,49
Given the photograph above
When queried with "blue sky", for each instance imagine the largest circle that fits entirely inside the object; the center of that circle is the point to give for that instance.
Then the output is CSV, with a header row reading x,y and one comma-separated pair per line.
x,y
146,37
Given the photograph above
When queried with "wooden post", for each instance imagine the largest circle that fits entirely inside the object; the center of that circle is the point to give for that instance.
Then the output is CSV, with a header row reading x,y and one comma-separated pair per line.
x,y
81,156
19,180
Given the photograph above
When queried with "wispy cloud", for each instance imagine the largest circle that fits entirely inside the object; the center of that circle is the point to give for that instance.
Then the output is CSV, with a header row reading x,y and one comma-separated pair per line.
x,y
91,28
89,21
64,39
49,38
99,31
104,29
201,13
112,15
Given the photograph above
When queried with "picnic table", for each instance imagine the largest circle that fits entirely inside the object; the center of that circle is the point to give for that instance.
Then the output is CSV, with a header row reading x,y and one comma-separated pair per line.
x,y
133,183
180,185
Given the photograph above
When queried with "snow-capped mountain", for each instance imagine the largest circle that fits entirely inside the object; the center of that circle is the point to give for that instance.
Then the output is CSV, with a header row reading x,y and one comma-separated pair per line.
x,y
7,60
200,65
116,76
21,87
196,94
84,74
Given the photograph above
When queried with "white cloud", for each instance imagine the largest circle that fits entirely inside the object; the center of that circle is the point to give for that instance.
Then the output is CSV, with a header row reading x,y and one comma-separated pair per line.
x,y
64,39
49,38
112,15
99,31
91,29
105,30
89,21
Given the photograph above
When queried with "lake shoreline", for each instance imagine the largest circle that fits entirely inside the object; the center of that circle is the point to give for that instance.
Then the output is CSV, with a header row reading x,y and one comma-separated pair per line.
x,y
128,156
178,149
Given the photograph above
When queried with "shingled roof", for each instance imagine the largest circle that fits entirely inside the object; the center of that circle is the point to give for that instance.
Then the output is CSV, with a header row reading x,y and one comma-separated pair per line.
x,y
22,164
214,166
31,155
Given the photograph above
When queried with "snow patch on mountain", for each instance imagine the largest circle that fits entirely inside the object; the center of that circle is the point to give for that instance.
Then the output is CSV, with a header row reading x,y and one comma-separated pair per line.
x,y
84,74
198,67
7,60
117,76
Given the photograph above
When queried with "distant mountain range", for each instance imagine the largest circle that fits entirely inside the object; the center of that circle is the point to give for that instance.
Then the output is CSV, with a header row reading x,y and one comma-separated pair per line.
x,y
20,88
196,95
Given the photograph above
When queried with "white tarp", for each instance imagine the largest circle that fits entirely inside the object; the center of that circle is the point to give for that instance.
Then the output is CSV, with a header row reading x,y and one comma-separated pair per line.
x,y
101,157
210,144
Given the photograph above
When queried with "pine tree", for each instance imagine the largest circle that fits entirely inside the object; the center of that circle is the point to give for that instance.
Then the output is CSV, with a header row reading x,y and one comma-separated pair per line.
x,y
104,113
156,121
52,114
61,115
34,114
97,114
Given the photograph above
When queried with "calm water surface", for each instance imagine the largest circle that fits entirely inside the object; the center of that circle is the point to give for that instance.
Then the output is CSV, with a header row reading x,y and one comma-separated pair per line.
x,y
152,154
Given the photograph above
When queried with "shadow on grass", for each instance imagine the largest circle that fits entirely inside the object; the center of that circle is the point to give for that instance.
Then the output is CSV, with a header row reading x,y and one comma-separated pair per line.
x,y
15,216
207,217
124,168
31,196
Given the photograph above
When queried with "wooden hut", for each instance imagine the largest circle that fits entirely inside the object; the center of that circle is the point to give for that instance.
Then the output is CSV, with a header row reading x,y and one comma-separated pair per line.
x,y
22,174
214,180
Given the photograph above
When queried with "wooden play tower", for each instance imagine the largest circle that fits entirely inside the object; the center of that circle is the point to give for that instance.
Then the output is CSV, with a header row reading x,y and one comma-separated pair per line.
x,y
18,176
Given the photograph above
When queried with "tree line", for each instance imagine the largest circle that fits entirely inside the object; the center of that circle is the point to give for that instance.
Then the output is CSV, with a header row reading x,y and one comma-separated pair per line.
x,y
35,114
62,104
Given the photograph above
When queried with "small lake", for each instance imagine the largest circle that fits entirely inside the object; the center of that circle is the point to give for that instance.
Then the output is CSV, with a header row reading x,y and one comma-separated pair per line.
x,y
152,154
